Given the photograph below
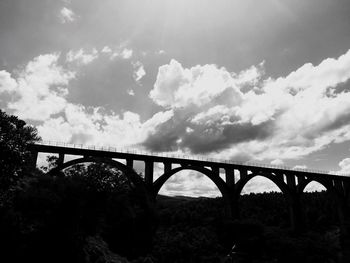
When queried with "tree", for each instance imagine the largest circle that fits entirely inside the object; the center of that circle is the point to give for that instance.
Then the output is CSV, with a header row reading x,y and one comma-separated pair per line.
x,y
15,158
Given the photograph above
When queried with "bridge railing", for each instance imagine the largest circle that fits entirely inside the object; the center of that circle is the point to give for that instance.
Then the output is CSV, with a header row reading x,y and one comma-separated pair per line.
x,y
183,156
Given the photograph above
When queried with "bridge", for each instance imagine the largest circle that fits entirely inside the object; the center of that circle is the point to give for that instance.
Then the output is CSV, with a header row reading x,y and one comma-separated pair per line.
x,y
290,181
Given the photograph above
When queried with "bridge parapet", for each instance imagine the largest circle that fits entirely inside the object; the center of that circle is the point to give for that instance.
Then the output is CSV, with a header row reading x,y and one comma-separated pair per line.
x,y
173,157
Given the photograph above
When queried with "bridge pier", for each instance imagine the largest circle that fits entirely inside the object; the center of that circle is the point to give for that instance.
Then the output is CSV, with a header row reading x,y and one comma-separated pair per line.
x,y
149,167
60,159
230,177
130,162
297,218
167,167
34,158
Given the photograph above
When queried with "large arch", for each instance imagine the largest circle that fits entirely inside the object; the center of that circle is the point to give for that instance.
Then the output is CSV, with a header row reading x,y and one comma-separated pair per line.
x,y
129,172
215,178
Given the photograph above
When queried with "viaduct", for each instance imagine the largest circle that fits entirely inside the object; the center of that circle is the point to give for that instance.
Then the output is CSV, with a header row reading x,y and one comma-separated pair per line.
x,y
291,182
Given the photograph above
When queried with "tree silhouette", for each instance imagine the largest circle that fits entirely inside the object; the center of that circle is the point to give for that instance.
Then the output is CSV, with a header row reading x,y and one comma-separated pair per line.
x,y
15,158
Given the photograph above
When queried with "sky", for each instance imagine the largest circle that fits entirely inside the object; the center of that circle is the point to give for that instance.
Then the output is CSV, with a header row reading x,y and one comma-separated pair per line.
x,y
263,81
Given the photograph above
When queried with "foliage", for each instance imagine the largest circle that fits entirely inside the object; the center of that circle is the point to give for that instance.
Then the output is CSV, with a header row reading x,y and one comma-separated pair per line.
x,y
59,215
15,158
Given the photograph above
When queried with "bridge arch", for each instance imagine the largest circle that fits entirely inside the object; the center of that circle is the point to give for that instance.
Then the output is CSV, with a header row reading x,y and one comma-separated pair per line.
x,y
276,180
127,171
215,178
324,182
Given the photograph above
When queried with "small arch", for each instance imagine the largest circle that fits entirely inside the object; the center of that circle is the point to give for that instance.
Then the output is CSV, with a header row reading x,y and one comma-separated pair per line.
x,y
275,179
129,172
314,186
320,202
327,184
215,178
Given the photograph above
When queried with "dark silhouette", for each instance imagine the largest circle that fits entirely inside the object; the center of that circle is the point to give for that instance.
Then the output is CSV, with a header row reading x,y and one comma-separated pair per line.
x,y
15,158
291,182
95,209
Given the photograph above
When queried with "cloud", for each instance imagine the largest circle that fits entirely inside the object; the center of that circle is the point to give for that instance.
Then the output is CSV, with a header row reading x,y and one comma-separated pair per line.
x,y
178,87
139,71
344,167
206,109
277,162
190,183
120,52
106,49
67,15
7,83
126,53
81,57
247,115
39,90
131,92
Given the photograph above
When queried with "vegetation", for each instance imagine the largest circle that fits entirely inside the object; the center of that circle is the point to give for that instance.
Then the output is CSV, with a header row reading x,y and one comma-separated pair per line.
x,y
92,212
14,157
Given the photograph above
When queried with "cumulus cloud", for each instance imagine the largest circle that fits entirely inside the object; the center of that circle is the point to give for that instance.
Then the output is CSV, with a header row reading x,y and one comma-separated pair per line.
x,y
67,15
39,90
81,56
178,87
246,115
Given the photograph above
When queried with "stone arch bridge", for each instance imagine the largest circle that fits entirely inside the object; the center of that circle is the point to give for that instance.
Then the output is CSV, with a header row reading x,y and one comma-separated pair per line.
x,y
291,182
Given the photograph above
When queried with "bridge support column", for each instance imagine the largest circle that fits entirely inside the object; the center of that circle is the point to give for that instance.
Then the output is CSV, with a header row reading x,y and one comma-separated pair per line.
x,y
149,173
297,219
130,163
60,160
243,173
291,181
34,159
167,167
230,177
216,171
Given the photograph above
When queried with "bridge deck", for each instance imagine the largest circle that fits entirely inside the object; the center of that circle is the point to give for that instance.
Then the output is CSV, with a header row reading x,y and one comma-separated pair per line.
x,y
122,153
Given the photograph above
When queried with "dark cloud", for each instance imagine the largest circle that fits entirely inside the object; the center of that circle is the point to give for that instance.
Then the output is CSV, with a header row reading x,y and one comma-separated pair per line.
x,y
174,134
203,141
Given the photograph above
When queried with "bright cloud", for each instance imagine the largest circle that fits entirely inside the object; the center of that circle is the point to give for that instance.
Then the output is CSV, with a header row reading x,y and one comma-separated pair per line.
x,y
67,15
284,118
139,71
344,167
39,90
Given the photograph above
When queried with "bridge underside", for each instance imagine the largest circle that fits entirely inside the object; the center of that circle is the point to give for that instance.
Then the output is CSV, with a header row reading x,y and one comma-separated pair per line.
x,y
291,183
